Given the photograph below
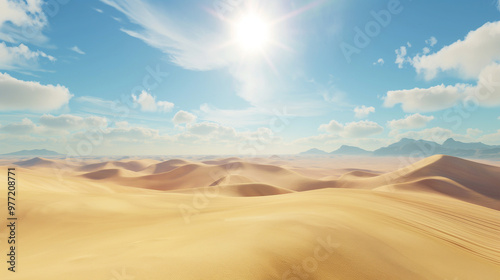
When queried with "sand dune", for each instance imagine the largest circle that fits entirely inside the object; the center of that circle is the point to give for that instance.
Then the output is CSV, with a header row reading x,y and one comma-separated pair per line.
x,y
133,165
39,163
193,175
236,190
221,161
166,166
106,174
239,219
477,177
232,179
449,176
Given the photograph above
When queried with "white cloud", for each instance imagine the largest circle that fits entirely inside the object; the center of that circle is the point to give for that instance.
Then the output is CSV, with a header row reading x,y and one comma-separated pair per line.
x,y
361,129
426,50
148,103
131,134
124,134
52,127
352,129
426,99
77,50
98,10
410,122
20,57
121,124
468,57
19,95
491,139
486,93
164,106
474,132
71,122
202,128
380,61
363,111
22,21
401,56
207,128
431,41
183,117
332,127
26,126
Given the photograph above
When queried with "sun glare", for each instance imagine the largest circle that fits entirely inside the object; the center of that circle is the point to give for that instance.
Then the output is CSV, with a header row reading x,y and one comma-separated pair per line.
x,y
252,33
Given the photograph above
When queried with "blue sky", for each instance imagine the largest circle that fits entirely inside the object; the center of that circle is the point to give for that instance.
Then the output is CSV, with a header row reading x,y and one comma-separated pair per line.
x,y
245,77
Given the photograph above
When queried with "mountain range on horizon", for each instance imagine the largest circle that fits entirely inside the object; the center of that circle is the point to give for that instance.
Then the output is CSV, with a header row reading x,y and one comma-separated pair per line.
x,y
404,147
411,147
36,152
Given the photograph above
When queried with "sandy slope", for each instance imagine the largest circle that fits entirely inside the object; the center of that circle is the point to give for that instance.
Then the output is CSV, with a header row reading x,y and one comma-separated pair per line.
x,y
237,219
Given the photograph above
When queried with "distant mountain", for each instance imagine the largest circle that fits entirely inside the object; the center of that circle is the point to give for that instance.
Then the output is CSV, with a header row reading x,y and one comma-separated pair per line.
x,y
452,144
410,147
314,152
489,152
421,148
41,152
350,150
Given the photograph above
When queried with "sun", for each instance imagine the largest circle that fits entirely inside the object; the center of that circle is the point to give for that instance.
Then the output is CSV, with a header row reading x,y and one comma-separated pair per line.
x,y
252,33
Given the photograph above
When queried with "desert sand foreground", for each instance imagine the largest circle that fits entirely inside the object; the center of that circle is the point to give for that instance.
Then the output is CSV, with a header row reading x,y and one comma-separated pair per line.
x,y
260,219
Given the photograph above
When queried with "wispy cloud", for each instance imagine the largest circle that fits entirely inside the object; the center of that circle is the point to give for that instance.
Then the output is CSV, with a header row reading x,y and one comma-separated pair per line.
x,y
21,58
194,47
401,56
431,41
22,21
77,50
380,61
